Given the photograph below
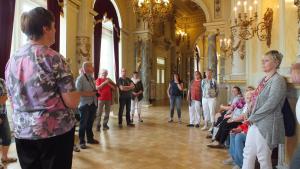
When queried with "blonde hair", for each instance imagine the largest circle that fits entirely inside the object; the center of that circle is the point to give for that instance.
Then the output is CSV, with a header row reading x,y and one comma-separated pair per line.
x,y
275,56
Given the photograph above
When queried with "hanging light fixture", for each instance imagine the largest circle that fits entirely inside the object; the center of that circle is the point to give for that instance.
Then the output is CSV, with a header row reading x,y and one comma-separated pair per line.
x,y
153,10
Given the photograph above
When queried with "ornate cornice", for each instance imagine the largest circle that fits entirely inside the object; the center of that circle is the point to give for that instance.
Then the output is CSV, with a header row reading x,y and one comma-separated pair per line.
x,y
235,81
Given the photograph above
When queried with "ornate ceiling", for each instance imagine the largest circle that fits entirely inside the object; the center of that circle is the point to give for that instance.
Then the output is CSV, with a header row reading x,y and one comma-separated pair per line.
x,y
190,18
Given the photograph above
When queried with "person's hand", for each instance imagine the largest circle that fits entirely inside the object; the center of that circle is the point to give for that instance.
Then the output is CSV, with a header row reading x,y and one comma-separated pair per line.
x,y
109,80
227,116
236,130
230,121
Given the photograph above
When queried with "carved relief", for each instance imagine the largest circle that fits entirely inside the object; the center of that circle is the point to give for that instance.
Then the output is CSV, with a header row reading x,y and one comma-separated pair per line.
x,y
218,12
83,49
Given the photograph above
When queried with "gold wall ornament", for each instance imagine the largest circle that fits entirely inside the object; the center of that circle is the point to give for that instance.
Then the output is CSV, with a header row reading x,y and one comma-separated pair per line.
x,y
83,49
153,10
227,47
297,3
245,23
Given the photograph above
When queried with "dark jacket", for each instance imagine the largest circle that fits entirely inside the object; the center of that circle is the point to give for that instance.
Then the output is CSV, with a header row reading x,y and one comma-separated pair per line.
x,y
138,87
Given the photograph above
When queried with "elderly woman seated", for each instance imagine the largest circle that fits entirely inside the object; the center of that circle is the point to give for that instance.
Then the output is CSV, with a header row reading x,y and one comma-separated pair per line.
x,y
237,95
238,136
232,119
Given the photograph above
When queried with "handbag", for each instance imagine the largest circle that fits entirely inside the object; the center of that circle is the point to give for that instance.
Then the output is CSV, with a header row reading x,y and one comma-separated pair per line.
x,y
289,119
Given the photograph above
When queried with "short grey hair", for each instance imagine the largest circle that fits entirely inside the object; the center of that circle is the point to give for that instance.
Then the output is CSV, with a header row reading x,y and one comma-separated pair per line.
x,y
275,56
85,64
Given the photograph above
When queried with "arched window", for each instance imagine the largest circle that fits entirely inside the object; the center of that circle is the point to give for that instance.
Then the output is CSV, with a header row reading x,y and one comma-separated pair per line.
x,y
103,30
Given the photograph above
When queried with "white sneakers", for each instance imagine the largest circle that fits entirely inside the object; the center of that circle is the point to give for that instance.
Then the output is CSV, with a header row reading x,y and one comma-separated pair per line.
x,y
204,127
228,161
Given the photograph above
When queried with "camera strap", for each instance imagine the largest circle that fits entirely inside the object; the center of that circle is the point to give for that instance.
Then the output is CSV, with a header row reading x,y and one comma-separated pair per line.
x,y
90,83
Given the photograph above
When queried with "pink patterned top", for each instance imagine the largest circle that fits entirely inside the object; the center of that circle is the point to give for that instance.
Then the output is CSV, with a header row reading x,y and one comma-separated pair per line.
x,y
36,75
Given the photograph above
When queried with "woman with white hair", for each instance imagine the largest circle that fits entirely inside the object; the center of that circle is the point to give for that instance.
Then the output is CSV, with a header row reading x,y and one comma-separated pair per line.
x,y
266,120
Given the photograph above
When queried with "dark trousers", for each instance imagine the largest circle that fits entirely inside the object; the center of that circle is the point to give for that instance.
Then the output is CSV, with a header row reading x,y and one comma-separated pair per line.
x,y
5,134
87,117
220,119
50,153
124,102
224,130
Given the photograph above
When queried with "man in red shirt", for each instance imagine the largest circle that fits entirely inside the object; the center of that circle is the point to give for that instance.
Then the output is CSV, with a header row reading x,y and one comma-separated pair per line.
x,y
194,99
104,86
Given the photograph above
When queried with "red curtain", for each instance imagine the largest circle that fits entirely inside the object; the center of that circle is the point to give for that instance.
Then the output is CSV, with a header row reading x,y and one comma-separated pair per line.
x,y
106,7
55,6
7,12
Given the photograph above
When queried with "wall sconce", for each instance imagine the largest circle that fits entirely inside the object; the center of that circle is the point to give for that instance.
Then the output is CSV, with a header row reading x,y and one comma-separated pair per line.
x,y
245,23
226,46
181,36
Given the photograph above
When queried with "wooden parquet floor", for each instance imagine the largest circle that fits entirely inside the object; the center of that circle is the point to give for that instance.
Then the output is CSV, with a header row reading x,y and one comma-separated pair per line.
x,y
154,144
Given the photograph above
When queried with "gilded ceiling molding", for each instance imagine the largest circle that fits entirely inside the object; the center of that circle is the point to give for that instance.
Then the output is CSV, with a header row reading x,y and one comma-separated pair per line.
x,y
204,8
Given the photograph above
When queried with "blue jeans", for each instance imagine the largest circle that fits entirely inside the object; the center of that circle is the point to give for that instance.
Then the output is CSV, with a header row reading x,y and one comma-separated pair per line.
x,y
175,100
237,144
87,117
5,135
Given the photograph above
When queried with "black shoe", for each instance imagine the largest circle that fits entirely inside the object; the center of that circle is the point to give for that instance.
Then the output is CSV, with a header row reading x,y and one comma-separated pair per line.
x,y
130,125
190,125
83,146
170,121
141,120
98,128
76,149
209,136
93,141
105,127
197,126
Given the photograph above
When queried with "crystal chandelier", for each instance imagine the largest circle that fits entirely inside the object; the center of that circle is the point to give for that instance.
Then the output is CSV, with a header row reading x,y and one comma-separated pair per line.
x,y
245,24
153,10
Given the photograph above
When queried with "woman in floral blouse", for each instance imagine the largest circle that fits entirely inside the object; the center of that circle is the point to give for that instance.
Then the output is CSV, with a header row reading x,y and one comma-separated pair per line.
x,y
41,88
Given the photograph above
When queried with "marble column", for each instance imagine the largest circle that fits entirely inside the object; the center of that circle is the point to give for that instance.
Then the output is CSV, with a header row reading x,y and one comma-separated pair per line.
x,y
212,54
71,9
83,39
145,69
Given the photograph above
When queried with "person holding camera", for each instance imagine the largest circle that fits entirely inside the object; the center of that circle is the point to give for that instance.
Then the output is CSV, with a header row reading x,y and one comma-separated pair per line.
x,y
104,86
88,104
